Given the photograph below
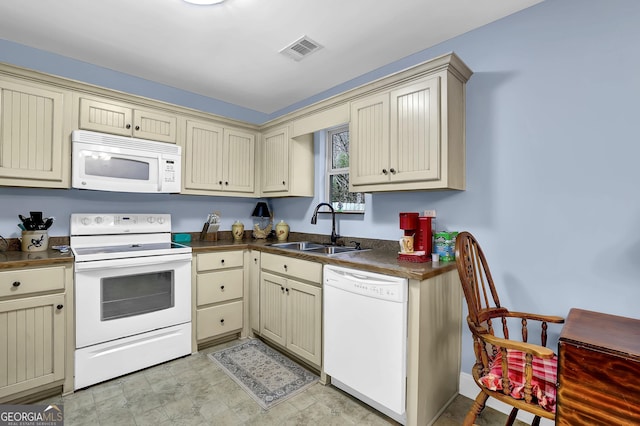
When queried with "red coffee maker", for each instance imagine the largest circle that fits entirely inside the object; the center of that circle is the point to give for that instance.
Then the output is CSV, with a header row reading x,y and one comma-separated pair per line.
x,y
420,228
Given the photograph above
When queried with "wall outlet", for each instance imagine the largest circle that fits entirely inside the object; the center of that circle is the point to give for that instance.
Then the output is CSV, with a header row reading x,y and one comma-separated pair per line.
x,y
429,213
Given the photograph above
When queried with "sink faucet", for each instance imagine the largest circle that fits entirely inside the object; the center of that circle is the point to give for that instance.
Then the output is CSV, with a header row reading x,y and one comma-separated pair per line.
x,y
314,220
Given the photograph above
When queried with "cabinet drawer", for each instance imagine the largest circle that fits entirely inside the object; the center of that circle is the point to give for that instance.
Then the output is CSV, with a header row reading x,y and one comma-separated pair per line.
x,y
214,287
25,281
218,320
302,269
219,260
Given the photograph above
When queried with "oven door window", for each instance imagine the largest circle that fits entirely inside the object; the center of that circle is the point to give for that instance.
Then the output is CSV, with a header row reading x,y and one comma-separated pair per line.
x,y
131,295
114,167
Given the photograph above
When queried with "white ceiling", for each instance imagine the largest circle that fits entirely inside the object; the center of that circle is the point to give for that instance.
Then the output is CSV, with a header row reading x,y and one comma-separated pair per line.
x,y
230,51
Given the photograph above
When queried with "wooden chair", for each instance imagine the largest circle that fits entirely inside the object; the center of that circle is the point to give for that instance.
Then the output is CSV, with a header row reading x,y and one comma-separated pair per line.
x,y
496,354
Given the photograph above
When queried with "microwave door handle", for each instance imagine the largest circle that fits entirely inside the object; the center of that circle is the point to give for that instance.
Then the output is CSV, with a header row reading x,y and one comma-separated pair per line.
x,y
160,173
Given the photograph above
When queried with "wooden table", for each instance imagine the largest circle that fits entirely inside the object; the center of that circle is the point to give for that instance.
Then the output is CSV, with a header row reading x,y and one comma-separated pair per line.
x,y
598,370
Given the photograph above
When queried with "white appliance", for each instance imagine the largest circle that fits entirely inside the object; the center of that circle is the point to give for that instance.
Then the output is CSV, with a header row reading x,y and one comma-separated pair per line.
x,y
132,294
365,337
116,163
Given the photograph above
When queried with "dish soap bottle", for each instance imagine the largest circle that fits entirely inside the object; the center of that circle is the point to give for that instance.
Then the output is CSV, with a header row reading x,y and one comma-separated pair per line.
x,y
282,231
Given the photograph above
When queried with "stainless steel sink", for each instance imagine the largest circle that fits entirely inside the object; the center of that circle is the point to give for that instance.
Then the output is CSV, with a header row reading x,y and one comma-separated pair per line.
x,y
299,245
309,247
333,250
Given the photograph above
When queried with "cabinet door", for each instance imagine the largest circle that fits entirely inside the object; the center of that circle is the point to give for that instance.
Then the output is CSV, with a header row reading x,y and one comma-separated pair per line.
x,y
254,290
304,315
32,343
369,141
126,120
154,125
275,161
415,132
203,156
34,150
105,117
239,161
272,307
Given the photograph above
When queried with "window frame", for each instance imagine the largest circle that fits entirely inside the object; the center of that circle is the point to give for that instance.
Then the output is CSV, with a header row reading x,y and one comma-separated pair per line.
x,y
330,171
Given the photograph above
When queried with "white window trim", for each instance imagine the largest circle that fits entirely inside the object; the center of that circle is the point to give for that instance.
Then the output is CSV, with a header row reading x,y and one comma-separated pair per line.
x,y
330,171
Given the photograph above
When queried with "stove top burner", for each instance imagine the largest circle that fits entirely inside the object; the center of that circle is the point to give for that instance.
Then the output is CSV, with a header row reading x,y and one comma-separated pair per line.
x,y
129,248
117,236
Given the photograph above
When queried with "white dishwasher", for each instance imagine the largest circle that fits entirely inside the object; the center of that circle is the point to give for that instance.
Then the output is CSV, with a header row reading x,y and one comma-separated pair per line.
x,y
365,337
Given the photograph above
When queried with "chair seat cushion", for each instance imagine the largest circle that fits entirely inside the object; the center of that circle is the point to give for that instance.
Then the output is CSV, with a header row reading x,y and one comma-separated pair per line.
x,y
543,382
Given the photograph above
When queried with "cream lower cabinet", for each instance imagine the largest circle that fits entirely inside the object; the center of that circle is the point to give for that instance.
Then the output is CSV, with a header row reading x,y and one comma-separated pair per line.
x,y
412,136
287,164
218,161
219,291
35,121
35,331
254,290
291,305
110,116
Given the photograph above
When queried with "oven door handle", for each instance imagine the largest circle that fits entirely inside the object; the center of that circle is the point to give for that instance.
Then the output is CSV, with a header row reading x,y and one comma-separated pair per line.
x,y
132,262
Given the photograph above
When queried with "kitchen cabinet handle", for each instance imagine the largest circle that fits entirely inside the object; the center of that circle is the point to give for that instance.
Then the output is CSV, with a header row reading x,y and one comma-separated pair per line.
x,y
222,321
282,290
219,182
137,127
59,307
384,171
222,287
287,290
128,126
285,267
226,183
283,182
16,283
392,170
222,261
255,260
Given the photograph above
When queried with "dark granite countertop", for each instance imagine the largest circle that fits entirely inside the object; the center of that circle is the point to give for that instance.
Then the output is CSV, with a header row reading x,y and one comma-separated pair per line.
x,y
14,259
382,258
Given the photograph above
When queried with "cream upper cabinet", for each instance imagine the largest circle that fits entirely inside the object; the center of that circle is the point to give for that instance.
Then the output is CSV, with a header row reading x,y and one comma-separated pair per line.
x,y
35,124
410,137
218,160
275,161
369,149
287,164
105,115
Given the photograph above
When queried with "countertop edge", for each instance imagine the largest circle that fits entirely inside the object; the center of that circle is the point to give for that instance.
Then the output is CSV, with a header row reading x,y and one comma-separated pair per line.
x,y
377,260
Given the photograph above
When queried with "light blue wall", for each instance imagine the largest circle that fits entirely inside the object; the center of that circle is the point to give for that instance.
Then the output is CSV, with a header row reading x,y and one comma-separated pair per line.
x,y
552,153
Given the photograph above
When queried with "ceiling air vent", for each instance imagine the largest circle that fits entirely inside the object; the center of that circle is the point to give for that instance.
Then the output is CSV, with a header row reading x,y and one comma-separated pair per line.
x,y
301,48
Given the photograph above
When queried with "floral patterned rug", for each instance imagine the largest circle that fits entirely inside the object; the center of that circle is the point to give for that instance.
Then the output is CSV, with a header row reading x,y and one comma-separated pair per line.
x,y
268,376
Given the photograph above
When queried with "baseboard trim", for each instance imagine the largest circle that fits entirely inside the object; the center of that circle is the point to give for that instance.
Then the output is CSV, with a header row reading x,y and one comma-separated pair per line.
x,y
469,389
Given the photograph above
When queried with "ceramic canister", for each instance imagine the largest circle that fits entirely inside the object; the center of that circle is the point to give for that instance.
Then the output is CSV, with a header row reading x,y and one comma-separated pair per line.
x,y
237,229
282,231
35,240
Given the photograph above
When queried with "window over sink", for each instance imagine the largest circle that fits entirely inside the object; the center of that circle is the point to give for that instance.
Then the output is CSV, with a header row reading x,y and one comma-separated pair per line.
x,y
337,176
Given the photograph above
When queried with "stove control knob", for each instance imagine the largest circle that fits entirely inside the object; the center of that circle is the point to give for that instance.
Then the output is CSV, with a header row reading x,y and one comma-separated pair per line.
x,y
160,220
85,221
151,219
98,220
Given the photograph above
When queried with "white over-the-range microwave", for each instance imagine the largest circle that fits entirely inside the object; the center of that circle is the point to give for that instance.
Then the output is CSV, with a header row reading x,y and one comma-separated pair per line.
x,y
116,163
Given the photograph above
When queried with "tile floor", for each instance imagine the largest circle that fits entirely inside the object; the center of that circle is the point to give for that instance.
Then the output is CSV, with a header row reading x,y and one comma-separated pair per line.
x,y
195,391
